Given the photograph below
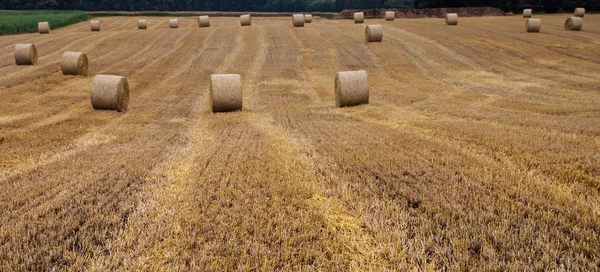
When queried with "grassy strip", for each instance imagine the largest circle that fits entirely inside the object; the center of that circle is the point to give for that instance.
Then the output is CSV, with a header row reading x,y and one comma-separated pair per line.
x,y
16,22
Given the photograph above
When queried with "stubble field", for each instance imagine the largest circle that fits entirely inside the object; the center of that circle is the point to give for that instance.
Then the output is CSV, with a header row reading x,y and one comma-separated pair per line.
x,y
479,149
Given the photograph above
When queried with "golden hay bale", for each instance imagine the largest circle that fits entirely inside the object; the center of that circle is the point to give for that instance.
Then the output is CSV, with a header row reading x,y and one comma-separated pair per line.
x,y
308,18
110,93
74,63
451,19
204,21
142,24
246,20
95,25
527,13
298,20
579,12
174,23
44,27
25,54
359,17
351,88
390,15
574,23
533,25
226,92
374,33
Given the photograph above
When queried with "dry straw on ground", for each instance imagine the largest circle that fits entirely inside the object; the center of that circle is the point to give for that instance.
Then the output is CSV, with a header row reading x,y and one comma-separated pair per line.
x,y
95,25
246,20
44,27
533,25
451,19
174,23
142,24
579,12
25,54
226,92
359,17
74,63
298,20
390,15
110,93
574,23
374,33
351,88
527,13
204,21
308,18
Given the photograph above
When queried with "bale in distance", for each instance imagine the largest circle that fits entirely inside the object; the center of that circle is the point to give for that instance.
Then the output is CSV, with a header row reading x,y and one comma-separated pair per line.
x,y
298,20
110,93
390,15
527,13
533,25
574,23
204,21
174,23
579,12
95,25
308,18
25,54
74,63
142,24
451,19
359,17
226,92
374,33
246,20
351,88
44,27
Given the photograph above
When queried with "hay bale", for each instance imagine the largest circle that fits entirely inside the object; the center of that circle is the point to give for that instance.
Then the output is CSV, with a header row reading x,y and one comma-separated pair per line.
x,y
579,12
246,20
527,13
174,23
533,25
110,93
390,15
74,63
226,93
451,19
204,21
142,24
95,25
25,54
574,23
308,18
374,33
359,17
298,20
351,88
44,27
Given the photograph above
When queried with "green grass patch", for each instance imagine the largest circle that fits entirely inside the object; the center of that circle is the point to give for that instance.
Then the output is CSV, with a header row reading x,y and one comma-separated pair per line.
x,y
16,22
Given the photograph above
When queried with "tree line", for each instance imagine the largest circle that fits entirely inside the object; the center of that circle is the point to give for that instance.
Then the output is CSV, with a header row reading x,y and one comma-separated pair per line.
x,y
289,5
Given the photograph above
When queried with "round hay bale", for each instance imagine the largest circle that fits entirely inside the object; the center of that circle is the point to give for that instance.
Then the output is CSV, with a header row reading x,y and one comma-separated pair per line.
x,y
44,27
351,88
226,92
527,13
110,93
204,21
74,63
142,24
579,12
246,20
390,15
451,19
95,25
25,54
359,17
574,23
374,33
533,25
298,20
308,18
174,23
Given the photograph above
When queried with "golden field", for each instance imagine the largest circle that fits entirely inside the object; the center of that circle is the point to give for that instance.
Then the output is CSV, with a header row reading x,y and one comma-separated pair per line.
x,y
479,149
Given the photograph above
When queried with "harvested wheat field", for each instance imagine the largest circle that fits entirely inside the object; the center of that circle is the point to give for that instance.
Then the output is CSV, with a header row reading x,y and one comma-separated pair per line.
x,y
479,148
